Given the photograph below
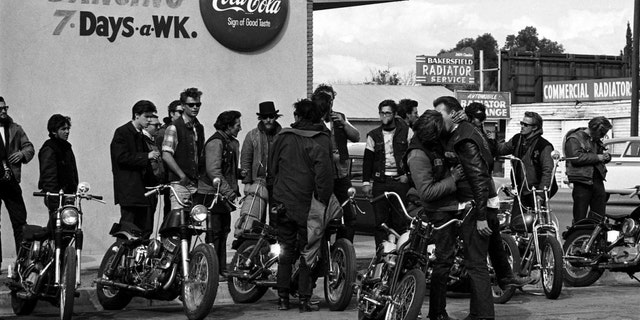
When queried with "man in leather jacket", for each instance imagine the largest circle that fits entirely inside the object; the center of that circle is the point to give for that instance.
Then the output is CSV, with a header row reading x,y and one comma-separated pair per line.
x,y
587,171
466,145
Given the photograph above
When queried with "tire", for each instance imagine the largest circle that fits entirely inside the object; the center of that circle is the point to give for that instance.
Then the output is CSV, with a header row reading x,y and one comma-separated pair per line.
x,y
68,283
338,289
580,276
22,307
500,295
551,271
409,295
111,298
243,291
199,291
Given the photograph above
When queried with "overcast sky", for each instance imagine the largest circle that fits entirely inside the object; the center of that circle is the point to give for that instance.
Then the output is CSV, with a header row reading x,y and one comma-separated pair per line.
x,y
350,42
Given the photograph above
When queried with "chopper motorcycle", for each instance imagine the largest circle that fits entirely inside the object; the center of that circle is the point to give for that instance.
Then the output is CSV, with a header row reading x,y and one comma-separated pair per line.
x,y
602,242
48,263
175,264
255,264
535,232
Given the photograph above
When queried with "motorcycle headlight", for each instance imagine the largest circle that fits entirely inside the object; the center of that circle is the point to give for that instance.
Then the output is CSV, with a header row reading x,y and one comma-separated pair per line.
x,y
199,213
630,227
69,216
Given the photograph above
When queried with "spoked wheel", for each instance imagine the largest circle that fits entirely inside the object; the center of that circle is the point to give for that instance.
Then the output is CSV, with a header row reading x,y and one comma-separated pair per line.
x,y
68,283
579,276
407,297
503,295
551,267
199,291
243,291
111,298
338,286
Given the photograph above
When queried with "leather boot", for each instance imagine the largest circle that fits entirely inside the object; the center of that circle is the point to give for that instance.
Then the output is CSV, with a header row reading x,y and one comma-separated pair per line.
x,y
307,306
283,301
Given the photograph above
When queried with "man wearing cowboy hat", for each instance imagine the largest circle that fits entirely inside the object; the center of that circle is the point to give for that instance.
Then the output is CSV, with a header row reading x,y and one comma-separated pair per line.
x,y
254,156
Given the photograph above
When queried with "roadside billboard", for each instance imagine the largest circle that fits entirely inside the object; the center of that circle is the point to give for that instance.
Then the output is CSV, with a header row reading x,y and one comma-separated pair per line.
x,y
446,68
587,90
498,103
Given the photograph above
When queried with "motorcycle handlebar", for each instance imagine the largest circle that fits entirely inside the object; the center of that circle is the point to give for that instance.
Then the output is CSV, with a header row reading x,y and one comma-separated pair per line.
x,y
378,198
386,228
40,194
450,222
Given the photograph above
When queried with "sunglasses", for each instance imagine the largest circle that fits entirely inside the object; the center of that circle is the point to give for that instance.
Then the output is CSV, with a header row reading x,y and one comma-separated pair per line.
x,y
194,104
5,108
524,124
386,113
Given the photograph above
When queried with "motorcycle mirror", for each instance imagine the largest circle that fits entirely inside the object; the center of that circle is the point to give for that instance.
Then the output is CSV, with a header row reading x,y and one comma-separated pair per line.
x,y
216,182
83,187
555,155
351,192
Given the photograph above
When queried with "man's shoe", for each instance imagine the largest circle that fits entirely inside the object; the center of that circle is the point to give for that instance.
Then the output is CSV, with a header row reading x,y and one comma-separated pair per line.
x,y
283,304
307,306
442,317
513,281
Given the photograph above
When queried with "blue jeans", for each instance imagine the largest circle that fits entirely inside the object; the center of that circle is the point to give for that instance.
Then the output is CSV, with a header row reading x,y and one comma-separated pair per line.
x,y
445,241
476,248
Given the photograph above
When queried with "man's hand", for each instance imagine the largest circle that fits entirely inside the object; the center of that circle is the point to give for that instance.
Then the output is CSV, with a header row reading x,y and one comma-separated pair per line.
x,y
483,228
459,116
457,172
184,180
335,117
607,157
402,179
154,155
15,157
367,191
247,189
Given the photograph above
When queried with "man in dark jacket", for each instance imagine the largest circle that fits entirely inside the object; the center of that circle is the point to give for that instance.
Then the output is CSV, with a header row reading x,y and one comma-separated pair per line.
x,y
302,167
587,170
342,131
221,154
435,181
58,170
467,146
382,163
130,164
15,149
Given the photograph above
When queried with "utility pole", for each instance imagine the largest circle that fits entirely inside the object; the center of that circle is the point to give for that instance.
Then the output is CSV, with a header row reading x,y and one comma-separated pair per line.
x,y
634,69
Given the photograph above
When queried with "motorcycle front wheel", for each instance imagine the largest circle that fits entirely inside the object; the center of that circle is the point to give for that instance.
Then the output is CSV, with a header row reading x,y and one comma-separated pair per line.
x,y
407,297
111,298
338,287
551,267
200,289
580,276
68,283
243,291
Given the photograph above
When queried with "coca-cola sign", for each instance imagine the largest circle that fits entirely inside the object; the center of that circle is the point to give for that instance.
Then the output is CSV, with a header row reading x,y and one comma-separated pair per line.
x,y
244,25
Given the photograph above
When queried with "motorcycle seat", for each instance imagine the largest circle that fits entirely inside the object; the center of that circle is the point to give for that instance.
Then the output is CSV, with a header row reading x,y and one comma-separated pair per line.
x,y
34,233
125,234
618,216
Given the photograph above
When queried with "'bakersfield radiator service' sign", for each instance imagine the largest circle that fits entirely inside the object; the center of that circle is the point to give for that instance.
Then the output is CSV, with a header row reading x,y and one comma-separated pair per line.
x,y
587,90
446,68
498,103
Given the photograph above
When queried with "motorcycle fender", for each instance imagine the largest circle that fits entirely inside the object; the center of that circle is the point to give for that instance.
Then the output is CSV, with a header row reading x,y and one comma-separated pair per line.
x,y
584,224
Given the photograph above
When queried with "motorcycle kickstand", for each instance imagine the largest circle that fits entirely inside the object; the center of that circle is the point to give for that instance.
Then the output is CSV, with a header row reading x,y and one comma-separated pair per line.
x,y
631,275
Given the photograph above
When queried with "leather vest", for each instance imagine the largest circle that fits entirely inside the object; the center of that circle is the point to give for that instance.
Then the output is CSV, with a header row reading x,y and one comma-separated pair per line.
x,y
400,146
188,152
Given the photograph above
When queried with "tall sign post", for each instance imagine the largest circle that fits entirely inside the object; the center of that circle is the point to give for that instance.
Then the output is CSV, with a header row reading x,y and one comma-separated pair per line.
x,y
634,69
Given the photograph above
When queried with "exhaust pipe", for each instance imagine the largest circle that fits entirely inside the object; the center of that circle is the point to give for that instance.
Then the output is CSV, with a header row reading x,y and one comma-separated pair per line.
x,y
110,283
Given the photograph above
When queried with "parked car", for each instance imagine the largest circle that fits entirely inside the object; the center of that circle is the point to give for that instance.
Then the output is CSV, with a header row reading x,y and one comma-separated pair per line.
x,y
624,169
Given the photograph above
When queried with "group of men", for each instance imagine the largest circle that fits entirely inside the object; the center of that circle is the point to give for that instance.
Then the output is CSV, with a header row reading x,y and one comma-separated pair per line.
x,y
444,155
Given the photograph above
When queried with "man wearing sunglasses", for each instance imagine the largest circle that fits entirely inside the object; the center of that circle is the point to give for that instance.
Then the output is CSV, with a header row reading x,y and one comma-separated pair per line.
x,y
15,149
183,145
586,167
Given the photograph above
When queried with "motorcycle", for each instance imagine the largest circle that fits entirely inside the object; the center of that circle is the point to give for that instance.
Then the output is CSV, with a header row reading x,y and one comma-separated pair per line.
x,y
393,285
48,263
175,264
602,242
255,264
535,232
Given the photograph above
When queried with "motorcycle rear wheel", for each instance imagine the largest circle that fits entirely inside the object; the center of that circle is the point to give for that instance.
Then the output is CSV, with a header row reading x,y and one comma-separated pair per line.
x,y
109,297
500,295
68,283
408,295
338,289
551,267
580,276
243,291
199,291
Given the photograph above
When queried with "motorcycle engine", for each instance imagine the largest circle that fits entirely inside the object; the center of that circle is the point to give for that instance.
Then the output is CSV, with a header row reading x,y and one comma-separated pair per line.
x,y
624,254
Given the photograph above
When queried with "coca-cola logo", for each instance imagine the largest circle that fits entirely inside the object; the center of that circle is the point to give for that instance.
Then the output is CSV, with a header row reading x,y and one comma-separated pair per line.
x,y
244,25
